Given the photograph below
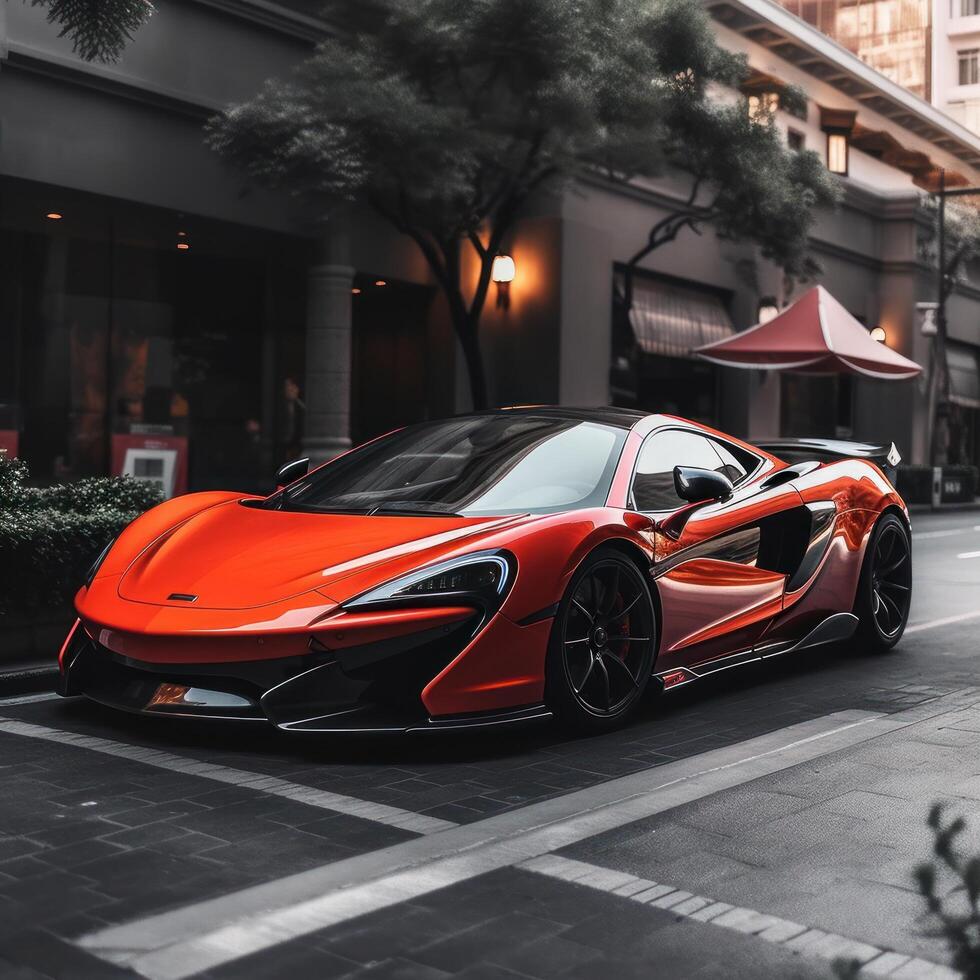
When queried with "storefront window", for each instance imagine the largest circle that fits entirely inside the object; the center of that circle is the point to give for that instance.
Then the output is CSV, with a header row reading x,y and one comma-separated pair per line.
x,y
144,340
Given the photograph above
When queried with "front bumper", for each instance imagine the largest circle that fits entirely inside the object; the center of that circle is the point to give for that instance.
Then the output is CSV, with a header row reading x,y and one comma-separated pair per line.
x,y
375,689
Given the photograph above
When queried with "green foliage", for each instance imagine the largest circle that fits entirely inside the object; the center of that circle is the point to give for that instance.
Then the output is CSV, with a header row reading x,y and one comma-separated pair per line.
x,y
445,117
98,29
50,536
954,909
962,237
746,183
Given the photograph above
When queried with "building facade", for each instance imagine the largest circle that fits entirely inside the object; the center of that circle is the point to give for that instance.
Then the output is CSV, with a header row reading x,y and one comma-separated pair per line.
x,y
894,37
956,60
162,317
930,47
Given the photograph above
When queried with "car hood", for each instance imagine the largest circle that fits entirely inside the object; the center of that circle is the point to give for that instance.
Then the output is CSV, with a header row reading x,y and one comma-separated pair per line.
x,y
234,556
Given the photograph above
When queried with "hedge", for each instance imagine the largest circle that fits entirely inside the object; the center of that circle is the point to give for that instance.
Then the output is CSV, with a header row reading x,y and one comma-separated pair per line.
x,y
914,483
50,536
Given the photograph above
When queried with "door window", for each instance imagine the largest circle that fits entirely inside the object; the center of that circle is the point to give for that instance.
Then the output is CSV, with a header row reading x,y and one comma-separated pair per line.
x,y
733,467
653,482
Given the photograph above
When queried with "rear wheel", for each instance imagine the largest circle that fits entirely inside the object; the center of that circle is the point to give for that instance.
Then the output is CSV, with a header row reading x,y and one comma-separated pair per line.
x,y
602,644
885,587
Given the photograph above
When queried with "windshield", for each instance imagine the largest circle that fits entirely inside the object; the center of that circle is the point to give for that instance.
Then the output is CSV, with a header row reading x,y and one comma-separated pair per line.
x,y
471,466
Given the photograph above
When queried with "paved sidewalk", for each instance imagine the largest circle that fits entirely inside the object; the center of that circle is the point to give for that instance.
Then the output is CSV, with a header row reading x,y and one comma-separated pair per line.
x,y
830,844
781,854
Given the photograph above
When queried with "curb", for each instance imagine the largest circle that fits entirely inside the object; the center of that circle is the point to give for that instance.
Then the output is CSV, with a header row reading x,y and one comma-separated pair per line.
x,y
943,508
28,679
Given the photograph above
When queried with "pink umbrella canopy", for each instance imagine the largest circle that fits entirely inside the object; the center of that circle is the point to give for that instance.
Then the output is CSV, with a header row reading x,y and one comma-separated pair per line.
x,y
816,335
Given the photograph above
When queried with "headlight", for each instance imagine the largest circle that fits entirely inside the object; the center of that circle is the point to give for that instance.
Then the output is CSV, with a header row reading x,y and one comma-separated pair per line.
x,y
90,575
481,578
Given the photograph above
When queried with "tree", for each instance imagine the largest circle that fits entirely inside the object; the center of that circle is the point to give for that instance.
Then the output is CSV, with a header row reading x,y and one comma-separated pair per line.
x,y
446,117
955,910
960,249
743,181
98,29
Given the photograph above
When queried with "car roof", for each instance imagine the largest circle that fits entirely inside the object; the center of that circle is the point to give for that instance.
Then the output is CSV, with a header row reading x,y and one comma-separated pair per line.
x,y
624,418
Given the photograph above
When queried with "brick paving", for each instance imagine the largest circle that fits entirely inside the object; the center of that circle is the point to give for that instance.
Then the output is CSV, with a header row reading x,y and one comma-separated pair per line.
x,y
514,923
85,841
465,778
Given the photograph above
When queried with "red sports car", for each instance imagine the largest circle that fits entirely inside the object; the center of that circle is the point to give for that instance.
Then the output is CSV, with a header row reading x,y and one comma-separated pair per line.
x,y
491,569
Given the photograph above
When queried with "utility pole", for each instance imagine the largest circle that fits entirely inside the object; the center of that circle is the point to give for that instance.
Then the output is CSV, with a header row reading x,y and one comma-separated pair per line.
x,y
941,297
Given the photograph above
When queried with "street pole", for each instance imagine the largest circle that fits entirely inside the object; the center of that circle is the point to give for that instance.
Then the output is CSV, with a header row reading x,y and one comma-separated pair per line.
x,y
939,375
938,366
941,308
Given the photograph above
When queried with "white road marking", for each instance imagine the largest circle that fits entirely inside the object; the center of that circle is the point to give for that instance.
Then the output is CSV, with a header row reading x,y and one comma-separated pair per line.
x,y
393,816
781,932
181,943
947,533
30,698
969,554
945,621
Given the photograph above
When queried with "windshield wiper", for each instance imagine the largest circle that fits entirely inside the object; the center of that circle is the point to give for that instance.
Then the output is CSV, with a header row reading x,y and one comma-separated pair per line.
x,y
412,508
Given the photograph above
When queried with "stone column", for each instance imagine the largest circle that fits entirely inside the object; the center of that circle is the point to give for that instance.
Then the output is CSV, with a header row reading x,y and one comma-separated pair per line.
x,y
328,352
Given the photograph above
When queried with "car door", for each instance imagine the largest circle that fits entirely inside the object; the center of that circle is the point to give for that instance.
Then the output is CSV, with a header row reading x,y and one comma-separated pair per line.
x,y
719,565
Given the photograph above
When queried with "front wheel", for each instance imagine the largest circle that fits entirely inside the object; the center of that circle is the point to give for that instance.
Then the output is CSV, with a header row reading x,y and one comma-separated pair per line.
x,y
885,587
602,644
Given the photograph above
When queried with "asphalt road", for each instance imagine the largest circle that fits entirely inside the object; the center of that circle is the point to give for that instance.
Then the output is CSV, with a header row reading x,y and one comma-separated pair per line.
x,y
794,792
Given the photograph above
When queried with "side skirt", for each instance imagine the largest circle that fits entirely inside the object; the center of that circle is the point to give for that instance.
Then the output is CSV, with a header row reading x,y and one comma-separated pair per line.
x,y
833,629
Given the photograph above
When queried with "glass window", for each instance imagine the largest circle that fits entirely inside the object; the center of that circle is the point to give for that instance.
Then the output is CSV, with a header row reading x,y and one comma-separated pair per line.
x,y
653,483
969,8
795,140
969,62
837,153
484,464
735,467
119,340
763,106
892,36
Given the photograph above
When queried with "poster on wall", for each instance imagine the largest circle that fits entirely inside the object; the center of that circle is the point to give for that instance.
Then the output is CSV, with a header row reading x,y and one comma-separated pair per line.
x,y
8,443
157,459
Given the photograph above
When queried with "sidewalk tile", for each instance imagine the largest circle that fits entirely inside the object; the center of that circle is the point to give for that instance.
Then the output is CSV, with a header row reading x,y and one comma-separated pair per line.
x,y
885,964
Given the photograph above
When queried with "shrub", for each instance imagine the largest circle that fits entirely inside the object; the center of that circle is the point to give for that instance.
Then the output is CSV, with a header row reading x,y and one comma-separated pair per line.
x,y
956,910
50,536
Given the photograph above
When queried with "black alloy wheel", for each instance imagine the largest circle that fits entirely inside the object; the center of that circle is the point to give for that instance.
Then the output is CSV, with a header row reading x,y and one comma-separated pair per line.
x,y
603,643
885,588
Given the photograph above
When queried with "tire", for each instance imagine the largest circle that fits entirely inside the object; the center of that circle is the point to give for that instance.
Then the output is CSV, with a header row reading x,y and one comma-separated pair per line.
x,y
602,646
884,591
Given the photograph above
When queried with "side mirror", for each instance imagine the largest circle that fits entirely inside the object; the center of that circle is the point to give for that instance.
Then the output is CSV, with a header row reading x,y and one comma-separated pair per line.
x,y
696,485
292,471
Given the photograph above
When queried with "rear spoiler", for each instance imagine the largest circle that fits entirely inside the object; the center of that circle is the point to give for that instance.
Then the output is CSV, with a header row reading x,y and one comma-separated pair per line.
x,y
885,455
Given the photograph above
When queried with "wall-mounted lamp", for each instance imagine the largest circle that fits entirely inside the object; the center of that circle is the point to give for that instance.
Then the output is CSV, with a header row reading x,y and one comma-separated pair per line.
x,y
878,333
54,216
502,273
768,309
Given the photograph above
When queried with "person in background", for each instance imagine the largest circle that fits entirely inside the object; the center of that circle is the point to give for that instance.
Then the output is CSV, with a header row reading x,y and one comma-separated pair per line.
x,y
291,420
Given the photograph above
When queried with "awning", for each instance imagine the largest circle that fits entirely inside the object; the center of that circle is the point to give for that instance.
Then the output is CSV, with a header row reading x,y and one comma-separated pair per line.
x,y
964,374
671,320
815,335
